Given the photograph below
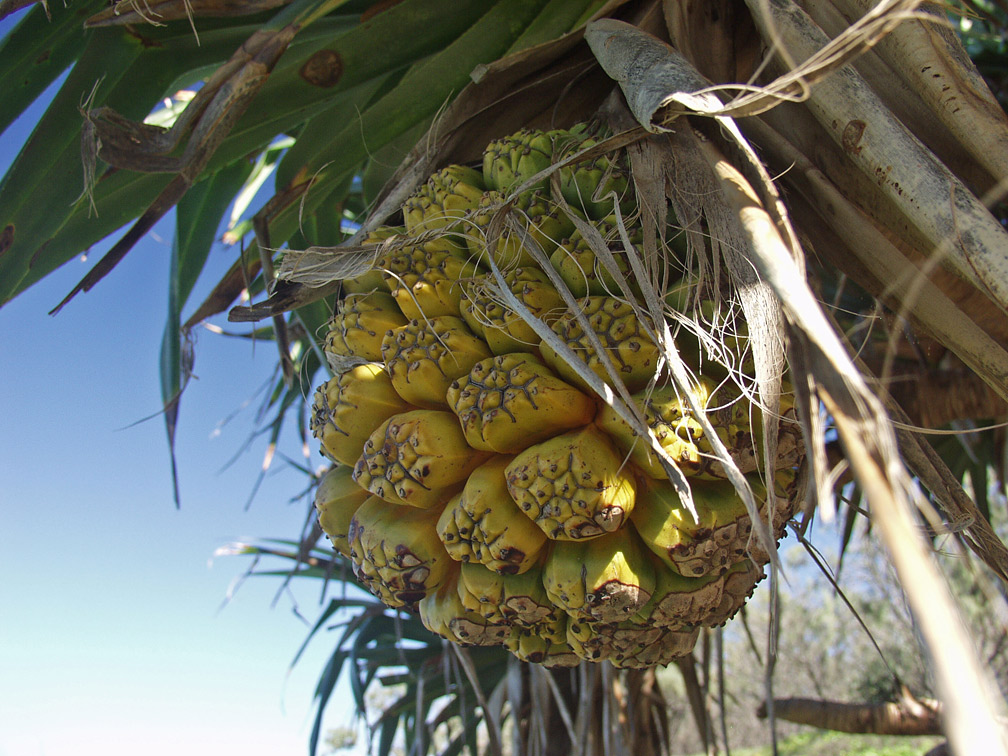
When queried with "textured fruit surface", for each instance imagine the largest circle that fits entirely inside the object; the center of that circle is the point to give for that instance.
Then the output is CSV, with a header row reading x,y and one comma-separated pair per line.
x,y
629,644
416,458
690,547
423,357
573,486
337,499
359,326
532,211
444,613
444,200
347,408
514,160
482,524
396,553
607,579
624,341
508,403
581,268
425,279
502,327
483,484
545,643
519,598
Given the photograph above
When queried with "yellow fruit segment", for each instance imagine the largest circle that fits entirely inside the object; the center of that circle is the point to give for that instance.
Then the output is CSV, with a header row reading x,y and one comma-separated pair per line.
x,y
423,357
483,524
508,403
426,279
418,458
498,323
347,408
443,613
359,325
574,486
396,553
337,499
624,342
607,579
694,548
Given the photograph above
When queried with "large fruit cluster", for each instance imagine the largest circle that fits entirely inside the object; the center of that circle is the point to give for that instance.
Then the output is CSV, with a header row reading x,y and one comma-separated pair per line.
x,y
479,481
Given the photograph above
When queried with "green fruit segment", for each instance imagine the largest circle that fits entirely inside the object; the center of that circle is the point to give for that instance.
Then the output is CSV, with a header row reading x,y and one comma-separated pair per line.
x,y
519,599
423,357
574,486
597,185
349,406
513,160
533,211
510,402
576,261
419,458
483,524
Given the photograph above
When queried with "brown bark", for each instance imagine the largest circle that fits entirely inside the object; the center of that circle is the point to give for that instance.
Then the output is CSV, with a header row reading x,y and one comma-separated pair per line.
x,y
909,716
933,398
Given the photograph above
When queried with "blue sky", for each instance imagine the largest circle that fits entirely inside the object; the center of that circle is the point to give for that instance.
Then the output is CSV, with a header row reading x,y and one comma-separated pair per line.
x,y
112,635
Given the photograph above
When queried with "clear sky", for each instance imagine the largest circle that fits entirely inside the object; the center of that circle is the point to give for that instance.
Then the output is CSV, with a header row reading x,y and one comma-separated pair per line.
x,y
112,636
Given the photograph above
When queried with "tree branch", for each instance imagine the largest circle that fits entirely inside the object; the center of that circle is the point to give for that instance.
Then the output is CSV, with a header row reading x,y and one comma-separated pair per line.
x,y
909,716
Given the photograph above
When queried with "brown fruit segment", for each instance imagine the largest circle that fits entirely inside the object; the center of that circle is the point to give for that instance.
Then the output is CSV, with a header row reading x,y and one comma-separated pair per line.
x,y
739,582
483,524
630,645
419,458
574,486
507,403
423,357
681,601
396,553
624,340
348,407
